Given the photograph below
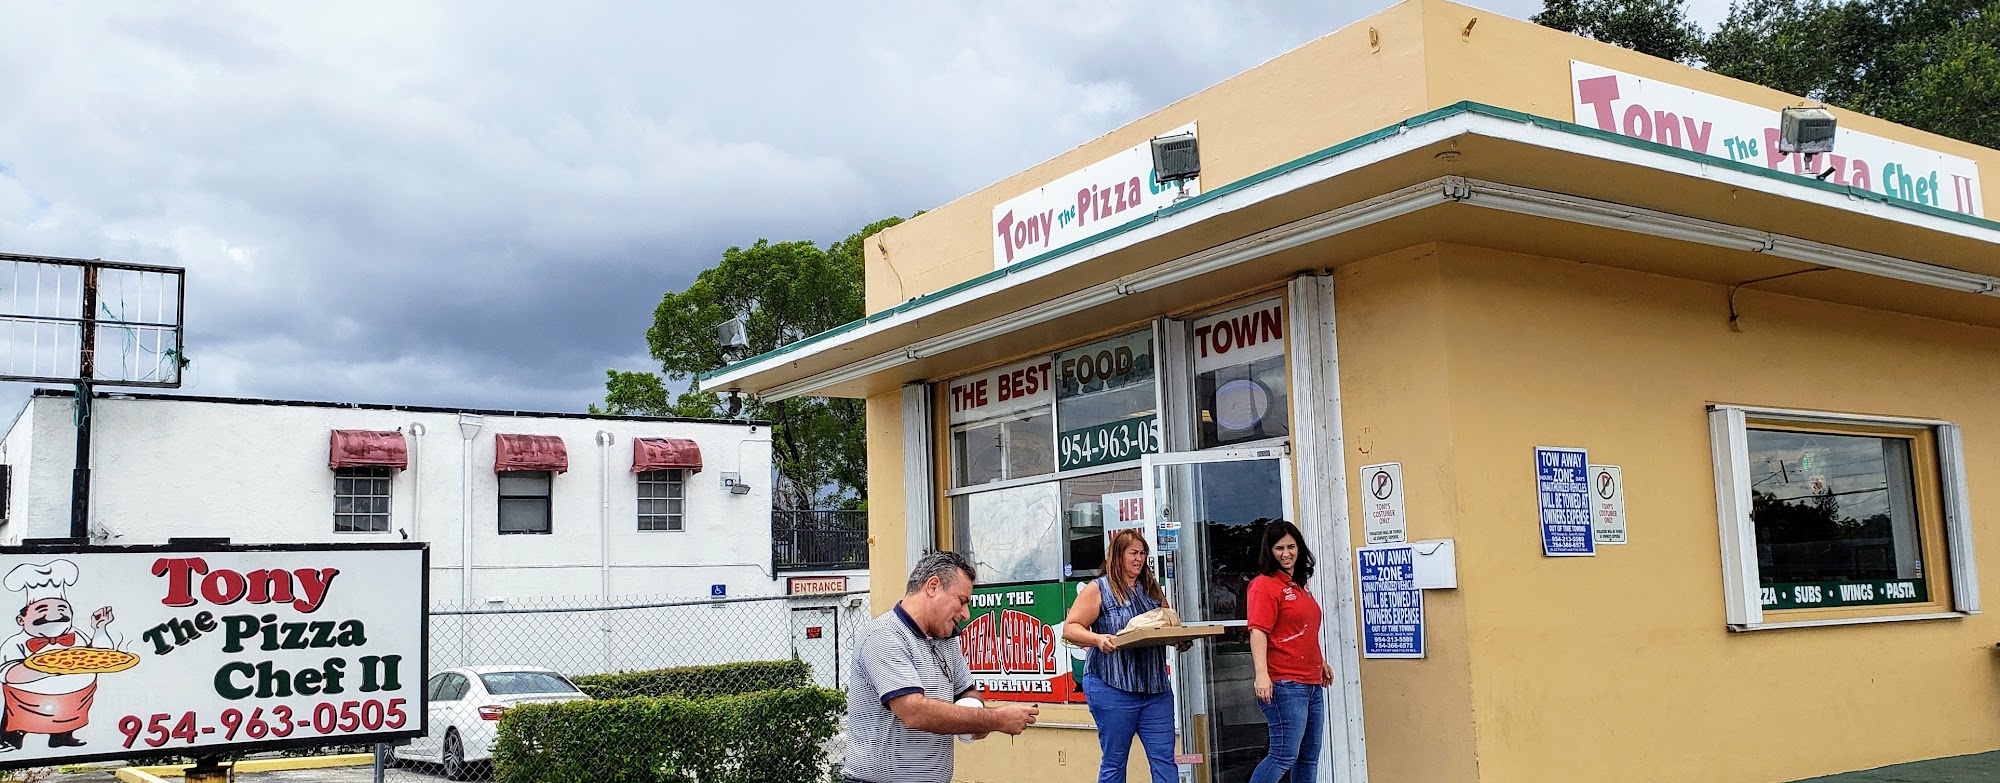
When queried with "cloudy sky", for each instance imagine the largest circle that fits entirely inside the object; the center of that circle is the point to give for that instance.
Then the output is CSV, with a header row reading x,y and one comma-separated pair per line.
x,y
479,204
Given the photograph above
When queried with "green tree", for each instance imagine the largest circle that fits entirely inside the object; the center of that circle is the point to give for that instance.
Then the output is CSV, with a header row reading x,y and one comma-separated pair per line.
x,y
1929,64
786,292
1656,27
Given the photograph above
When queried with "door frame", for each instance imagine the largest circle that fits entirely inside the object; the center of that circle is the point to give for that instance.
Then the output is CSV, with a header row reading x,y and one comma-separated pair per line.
x,y
1185,682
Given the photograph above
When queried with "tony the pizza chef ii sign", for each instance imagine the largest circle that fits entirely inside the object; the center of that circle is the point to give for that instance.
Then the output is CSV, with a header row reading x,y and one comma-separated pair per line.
x,y
126,651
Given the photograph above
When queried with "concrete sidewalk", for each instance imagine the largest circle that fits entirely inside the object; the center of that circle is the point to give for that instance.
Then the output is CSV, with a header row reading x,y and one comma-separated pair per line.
x,y
1976,768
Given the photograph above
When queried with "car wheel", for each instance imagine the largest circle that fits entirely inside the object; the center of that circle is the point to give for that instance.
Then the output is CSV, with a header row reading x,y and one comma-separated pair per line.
x,y
455,767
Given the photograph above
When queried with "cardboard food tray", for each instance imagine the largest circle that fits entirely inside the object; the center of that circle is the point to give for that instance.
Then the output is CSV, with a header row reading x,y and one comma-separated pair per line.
x,y
1158,637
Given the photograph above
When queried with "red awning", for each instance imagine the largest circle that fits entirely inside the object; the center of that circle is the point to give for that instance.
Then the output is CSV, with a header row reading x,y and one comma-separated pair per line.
x,y
665,454
362,448
529,452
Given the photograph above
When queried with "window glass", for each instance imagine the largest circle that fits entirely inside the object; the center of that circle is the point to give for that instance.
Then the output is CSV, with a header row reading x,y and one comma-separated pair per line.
x,y
1013,534
661,493
1001,424
1106,406
361,499
524,501
510,683
1088,502
434,690
1239,365
1837,519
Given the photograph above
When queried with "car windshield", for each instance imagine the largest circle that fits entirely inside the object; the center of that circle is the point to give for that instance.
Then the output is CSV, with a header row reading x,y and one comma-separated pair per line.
x,y
509,683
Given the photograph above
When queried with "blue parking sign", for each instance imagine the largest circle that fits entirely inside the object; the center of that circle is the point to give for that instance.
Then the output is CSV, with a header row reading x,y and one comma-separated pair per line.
x,y
718,591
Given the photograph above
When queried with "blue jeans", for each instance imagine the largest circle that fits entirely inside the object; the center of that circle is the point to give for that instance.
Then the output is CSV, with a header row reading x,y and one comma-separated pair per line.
x,y
1120,715
1297,717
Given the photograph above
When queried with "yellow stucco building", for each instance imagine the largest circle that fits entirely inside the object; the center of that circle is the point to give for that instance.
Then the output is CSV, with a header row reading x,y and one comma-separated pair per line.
x,y
1448,283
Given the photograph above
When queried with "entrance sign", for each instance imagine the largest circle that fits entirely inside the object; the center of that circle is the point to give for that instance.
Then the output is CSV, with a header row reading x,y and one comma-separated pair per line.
x,y
1392,608
1607,503
200,650
1104,195
1562,483
1718,127
1382,503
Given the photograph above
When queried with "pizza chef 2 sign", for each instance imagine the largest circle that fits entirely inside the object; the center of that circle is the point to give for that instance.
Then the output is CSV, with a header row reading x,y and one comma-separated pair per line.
x,y
193,650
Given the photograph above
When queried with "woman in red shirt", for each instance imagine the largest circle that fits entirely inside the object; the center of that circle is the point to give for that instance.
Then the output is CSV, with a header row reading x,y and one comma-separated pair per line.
x,y
1284,647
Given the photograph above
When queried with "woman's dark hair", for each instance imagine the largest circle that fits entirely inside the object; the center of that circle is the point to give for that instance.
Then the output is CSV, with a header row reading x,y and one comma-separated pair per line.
x,y
1267,564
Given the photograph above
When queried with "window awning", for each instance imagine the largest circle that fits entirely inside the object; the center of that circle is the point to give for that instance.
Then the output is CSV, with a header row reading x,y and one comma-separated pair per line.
x,y
367,448
665,454
529,452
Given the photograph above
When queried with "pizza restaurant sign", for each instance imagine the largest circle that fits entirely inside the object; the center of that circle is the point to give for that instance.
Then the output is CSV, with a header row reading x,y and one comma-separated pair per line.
x,y
1104,195
1719,127
191,651
1011,647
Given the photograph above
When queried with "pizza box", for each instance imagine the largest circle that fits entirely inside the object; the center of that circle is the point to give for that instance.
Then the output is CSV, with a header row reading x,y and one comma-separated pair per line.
x,y
1159,637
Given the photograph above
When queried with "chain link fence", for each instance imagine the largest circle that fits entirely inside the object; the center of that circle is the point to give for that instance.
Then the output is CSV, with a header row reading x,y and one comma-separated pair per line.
x,y
490,657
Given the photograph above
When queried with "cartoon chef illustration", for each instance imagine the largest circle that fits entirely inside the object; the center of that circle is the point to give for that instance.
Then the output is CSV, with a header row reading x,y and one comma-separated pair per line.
x,y
37,702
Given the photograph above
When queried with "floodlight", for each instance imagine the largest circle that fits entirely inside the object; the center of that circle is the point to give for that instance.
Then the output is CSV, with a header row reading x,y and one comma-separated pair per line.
x,y
734,335
1805,129
1176,158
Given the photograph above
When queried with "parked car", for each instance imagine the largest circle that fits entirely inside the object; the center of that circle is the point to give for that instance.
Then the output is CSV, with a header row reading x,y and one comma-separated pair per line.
x,y
465,709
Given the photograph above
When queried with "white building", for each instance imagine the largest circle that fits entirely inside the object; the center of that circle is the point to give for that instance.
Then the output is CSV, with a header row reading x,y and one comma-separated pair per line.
x,y
567,513
562,512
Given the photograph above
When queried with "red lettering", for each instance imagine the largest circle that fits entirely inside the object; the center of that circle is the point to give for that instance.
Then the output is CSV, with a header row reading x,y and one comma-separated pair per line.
x,y
1772,156
1699,138
1273,326
268,586
179,572
223,587
1201,337
1668,127
1005,227
1083,207
1638,122
1598,93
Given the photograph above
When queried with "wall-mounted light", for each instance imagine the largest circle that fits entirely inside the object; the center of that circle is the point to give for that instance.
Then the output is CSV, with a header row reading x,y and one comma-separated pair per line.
x,y
734,483
1176,159
1806,130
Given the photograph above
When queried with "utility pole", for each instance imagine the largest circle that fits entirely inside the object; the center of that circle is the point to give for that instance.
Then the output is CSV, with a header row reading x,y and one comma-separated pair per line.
x,y
86,368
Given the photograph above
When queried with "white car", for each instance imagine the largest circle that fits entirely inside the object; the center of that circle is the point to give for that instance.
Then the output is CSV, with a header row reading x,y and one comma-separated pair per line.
x,y
465,708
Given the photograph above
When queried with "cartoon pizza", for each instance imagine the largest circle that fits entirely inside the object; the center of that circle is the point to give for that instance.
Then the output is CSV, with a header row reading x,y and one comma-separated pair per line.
x,y
81,660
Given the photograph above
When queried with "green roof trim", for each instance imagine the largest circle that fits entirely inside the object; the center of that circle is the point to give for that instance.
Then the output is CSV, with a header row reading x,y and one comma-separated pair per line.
x,y
1435,115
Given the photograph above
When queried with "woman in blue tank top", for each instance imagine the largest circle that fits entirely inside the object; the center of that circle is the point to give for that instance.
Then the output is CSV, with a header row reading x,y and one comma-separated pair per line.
x,y
1128,690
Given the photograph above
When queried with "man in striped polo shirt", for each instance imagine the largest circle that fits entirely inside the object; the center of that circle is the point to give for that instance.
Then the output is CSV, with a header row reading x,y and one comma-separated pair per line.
x,y
900,697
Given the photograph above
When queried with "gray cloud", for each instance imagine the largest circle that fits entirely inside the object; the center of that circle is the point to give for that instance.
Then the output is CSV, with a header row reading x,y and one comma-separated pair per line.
x,y
457,204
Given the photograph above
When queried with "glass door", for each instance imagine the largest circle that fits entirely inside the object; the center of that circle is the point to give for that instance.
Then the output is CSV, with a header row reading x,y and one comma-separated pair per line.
x,y
1210,508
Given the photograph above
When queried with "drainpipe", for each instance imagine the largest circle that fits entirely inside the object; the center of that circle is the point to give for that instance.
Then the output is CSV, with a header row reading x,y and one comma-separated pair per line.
x,y
604,441
468,428
417,483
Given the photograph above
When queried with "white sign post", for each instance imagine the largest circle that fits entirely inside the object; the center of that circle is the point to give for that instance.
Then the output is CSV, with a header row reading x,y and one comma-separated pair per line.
x,y
1607,503
1382,504
199,650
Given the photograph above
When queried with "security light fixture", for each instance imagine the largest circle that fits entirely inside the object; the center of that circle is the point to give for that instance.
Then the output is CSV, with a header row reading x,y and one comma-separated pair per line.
x,y
1176,159
734,336
1805,129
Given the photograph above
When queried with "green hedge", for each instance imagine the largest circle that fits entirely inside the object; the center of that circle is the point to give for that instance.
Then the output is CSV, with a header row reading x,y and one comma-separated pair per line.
x,y
774,735
698,681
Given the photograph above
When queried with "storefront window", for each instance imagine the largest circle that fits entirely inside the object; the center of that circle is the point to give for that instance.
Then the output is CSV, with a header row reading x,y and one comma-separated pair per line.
x,y
1106,405
1838,518
1239,364
1013,534
1091,506
1002,424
